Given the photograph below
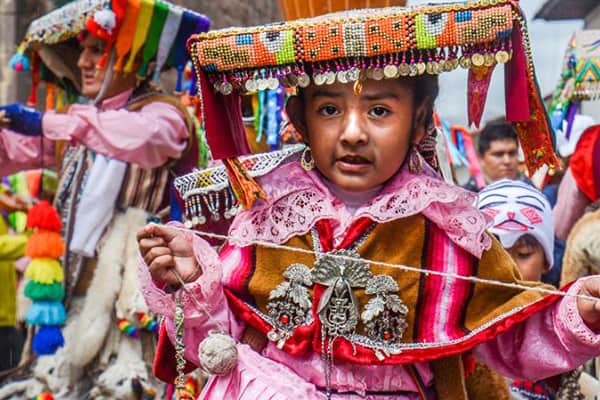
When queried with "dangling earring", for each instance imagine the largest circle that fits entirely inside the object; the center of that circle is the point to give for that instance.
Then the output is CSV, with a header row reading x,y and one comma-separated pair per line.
x,y
306,160
415,162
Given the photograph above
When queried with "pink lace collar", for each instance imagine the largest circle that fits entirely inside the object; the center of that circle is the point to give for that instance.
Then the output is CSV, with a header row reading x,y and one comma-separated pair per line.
x,y
298,199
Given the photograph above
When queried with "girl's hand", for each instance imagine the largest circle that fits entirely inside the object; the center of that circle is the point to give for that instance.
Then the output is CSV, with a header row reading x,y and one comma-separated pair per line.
x,y
166,250
588,309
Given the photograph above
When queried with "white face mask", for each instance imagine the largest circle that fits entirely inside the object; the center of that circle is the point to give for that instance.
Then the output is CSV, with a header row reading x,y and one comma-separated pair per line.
x,y
518,209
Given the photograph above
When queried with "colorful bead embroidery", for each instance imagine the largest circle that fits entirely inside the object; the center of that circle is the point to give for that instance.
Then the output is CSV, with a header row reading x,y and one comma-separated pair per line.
x,y
386,43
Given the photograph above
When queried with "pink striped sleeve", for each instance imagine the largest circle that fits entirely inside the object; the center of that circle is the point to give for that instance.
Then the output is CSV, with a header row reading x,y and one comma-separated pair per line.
x,y
20,152
213,314
550,342
148,137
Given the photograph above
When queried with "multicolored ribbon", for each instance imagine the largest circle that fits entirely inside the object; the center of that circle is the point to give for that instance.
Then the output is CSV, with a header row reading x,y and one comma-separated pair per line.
x,y
169,33
179,54
141,30
127,32
161,10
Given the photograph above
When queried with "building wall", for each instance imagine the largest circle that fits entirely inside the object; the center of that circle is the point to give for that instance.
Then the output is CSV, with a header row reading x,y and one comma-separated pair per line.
x,y
8,31
15,16
592,20
226,13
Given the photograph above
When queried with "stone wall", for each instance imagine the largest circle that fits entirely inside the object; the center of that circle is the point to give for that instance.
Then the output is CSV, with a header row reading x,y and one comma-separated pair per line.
x,y
226,13
15,16
592,20
8,32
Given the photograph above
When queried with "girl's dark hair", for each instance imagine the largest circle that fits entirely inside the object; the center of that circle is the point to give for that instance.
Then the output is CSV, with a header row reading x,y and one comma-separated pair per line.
x,y
528,240
426,91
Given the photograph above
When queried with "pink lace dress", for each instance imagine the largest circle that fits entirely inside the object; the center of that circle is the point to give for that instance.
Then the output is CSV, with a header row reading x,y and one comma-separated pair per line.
x,y
549,342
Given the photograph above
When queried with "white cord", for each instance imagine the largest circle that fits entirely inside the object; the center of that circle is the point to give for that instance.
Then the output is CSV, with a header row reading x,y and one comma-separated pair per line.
x,y
398,266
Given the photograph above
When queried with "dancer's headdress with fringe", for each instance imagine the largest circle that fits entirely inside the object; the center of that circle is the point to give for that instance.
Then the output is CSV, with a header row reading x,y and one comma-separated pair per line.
x,y
384,43
153,30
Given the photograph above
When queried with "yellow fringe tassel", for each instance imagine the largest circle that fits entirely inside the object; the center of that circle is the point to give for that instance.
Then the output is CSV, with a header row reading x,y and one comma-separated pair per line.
x,y
44,270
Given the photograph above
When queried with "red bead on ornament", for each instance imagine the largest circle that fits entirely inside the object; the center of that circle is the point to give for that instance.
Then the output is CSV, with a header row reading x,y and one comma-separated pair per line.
x,y
284,319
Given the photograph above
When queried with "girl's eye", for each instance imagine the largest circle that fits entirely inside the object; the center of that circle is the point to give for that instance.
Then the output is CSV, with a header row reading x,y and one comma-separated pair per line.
x,y
378,111
524,255
328,111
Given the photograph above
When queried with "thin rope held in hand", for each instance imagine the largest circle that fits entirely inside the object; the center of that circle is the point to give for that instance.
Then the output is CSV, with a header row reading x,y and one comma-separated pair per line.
x,y
449,275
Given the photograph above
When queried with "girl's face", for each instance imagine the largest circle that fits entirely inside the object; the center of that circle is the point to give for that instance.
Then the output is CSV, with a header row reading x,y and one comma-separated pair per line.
x,y
358,141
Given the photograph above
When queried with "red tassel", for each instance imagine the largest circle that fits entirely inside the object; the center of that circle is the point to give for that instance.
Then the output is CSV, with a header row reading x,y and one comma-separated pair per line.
x,y
44,216
95,29
468,363
35,80
102,61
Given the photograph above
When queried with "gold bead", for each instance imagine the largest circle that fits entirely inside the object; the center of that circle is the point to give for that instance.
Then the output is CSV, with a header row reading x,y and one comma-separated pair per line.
x,y
477,59
502,57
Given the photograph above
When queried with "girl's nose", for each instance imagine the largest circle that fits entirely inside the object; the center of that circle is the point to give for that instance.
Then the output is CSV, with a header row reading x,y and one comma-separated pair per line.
x,y
354,132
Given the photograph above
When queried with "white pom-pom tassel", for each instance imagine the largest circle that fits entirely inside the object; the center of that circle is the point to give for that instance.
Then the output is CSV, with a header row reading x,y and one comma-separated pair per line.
x,y
218,354
106,19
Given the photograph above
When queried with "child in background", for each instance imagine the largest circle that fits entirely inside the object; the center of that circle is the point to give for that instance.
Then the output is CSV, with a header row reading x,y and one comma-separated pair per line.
x,y
522,222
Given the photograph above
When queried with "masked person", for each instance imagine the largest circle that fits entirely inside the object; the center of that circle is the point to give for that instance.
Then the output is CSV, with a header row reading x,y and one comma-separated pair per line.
x,y
117,154
312,296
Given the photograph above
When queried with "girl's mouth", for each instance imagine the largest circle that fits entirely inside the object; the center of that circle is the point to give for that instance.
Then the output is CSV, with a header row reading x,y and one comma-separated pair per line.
x,y
354,159
353,163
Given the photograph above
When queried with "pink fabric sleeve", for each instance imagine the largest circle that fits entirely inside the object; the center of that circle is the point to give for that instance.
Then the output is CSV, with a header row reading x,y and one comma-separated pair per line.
x,y
570,206
148,137
549,342
19,152
207,290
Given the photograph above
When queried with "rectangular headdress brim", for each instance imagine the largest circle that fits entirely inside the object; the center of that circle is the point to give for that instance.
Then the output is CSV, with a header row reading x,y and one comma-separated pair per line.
x,y
385,43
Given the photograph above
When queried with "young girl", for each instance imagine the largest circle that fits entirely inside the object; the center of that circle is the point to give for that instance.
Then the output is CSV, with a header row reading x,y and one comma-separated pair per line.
x,y
311,284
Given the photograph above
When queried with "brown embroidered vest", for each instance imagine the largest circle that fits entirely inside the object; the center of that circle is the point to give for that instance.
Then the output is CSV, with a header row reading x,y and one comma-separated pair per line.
x,y
445,317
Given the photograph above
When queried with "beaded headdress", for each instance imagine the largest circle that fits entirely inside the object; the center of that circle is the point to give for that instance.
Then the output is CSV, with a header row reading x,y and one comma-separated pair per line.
x,y
579,80
153,29
381,44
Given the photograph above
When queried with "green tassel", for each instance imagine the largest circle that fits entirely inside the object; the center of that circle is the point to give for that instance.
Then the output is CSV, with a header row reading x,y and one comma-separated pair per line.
x,y
203,149
39,291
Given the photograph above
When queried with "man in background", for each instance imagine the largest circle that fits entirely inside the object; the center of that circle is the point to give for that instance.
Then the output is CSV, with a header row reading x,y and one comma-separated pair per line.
x,y
498,150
